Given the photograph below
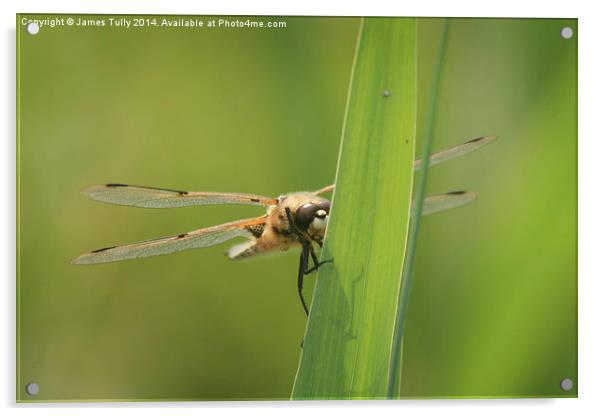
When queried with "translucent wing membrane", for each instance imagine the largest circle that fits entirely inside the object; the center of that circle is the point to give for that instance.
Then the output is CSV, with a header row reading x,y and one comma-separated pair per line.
x,y
442,202
328,188
456,151
195,239
436,203
146,197
436,158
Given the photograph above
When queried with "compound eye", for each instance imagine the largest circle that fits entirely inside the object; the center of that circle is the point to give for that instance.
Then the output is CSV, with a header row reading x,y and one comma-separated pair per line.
x,y
325,205
305,215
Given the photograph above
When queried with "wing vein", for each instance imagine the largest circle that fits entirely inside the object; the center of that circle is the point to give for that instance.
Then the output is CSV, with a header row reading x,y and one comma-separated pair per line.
x,y
204,237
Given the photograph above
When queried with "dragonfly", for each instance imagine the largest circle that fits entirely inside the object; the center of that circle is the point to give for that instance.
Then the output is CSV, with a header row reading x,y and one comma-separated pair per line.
x,y
293,220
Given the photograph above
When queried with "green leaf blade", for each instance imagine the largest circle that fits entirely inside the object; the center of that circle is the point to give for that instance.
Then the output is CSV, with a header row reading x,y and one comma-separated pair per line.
x,y
348,340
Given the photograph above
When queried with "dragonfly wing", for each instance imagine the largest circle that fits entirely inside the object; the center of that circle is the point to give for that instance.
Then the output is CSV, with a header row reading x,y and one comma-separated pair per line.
x,y
456,151
442,202
204,237
442,156
147,197
328,188
243,250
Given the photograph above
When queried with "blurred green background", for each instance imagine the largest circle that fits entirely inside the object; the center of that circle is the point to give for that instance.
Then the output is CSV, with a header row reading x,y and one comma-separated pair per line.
x,y
493,304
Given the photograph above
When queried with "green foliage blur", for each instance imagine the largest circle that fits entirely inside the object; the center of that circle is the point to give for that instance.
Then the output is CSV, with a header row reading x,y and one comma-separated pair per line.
x,y
493,304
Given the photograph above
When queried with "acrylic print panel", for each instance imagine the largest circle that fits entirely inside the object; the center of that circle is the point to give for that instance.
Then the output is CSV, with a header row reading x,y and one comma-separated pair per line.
x,y
256,105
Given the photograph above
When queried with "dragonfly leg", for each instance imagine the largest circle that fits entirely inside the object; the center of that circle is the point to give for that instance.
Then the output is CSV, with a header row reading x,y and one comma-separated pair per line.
x,y
304,258
293,226
302,268
316,261
307,250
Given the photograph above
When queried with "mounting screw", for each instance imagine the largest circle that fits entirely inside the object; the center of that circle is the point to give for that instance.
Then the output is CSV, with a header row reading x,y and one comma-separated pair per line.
x,y
566,384
33,28
566,32
32,389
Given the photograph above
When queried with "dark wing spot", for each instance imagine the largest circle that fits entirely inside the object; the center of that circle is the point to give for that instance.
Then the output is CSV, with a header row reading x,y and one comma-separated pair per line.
x,y
256,230
456,193
182,235
182,193
476,140
254,200
114,185
102,249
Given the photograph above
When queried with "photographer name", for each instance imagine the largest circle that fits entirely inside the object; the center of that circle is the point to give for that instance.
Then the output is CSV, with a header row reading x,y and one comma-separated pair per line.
x,y
125,22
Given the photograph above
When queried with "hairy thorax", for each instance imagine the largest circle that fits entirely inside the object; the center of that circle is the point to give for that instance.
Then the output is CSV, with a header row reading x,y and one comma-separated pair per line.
x,y
279,232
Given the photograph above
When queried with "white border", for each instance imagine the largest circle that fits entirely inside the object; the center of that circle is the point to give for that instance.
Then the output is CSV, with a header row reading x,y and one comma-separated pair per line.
x,y
590,183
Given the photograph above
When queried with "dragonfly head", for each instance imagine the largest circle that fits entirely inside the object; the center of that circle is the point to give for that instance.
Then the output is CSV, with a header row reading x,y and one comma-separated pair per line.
x,y
313,217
